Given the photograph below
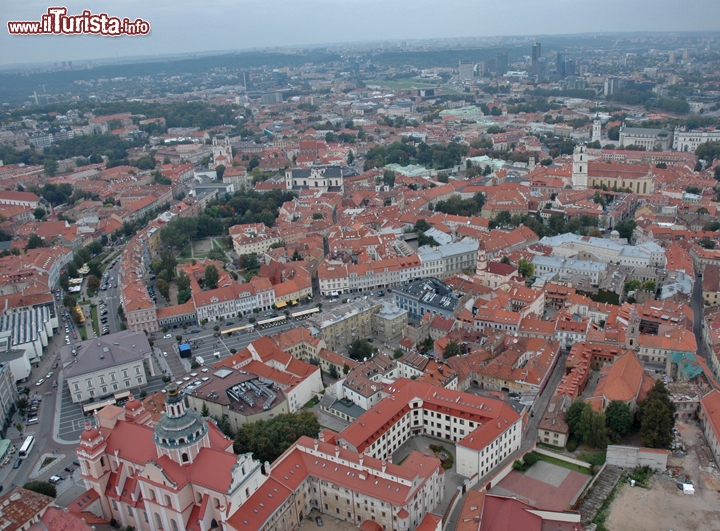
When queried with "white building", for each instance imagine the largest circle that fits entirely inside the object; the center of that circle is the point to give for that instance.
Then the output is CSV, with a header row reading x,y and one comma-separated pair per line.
x,y
485,431
447,260
689,141
103,366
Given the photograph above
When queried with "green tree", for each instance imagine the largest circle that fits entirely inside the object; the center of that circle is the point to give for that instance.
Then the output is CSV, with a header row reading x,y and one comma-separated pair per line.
x,y
268,439
296,256
219,171
211,277
360,349
451,349
39,213
618,417
626,229
182,281
398,353
163,287
93,283
41,487
649,285
572,417
350,157
657,417
503,218
632,285
596,436
184,296
389,178
707,243
51,168
205,412
525,268
34,242
716,173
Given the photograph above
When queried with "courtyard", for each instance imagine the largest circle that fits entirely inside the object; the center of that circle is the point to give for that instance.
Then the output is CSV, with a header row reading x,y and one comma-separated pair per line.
x,y
422,444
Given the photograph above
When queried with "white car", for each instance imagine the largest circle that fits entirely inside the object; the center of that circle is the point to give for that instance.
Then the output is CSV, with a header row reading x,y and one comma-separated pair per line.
x,y
165,354
40,381
167,336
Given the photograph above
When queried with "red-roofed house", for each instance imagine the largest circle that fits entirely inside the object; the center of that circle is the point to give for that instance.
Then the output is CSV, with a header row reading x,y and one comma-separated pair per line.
x,y
709,416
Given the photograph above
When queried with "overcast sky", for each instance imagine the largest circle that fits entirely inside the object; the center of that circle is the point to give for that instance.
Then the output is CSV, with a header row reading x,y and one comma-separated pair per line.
x,y
181,26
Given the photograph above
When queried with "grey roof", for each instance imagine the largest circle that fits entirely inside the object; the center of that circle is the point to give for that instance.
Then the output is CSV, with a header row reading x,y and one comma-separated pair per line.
x,y
644,131
429,254
104,352
348,407
569,237
24,326
568,263
430,292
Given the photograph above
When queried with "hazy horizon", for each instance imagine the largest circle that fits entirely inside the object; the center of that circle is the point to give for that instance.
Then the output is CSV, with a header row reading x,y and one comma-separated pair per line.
x,y
181,27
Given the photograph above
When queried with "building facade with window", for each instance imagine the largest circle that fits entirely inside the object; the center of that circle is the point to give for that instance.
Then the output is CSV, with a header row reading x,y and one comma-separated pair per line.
x,y
106,365
484,431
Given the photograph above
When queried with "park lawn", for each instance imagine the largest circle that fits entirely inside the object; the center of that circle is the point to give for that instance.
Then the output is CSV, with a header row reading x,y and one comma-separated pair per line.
x,y
185,253
82,332
314,400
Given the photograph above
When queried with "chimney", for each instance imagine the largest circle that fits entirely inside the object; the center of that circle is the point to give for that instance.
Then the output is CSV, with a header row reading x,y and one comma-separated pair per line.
x,y
315,444
337,451
362,458
384,465
321,437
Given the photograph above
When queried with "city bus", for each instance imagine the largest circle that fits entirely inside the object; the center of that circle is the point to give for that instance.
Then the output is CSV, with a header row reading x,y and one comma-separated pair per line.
x,y
246,328
26,447
271,322
305,313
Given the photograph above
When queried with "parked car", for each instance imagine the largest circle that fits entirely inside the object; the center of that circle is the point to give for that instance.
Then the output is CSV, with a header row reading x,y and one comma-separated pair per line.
x,y
17,463
167,336
54,383
69,469
318,521
40,381
33,420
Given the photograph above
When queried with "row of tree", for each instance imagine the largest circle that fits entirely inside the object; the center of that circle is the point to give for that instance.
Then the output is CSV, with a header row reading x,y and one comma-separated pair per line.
x,y
656,417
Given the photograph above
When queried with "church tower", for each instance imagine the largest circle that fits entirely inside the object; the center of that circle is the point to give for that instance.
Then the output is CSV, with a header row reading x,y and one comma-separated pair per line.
x,y
180,433
596,129
222,151
580,169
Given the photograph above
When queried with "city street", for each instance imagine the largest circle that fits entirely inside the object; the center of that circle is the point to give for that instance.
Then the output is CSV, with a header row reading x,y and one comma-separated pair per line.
x,y
71,418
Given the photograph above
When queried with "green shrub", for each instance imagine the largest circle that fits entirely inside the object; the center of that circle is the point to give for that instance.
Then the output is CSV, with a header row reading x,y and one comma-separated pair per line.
x,y
572,444
531,459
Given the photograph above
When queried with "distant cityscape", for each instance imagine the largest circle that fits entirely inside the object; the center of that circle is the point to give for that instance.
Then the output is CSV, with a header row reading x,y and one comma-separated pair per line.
x,y
434,285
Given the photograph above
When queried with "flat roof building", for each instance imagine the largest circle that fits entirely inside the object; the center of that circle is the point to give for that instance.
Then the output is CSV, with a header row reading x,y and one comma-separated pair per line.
x,y
428,295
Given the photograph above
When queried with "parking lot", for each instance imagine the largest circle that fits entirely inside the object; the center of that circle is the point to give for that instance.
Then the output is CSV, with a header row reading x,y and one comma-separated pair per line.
x,y
72,419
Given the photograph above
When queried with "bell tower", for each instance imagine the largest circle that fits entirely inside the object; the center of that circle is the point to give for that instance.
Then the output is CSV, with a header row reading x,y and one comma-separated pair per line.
x,y
596,129
580,169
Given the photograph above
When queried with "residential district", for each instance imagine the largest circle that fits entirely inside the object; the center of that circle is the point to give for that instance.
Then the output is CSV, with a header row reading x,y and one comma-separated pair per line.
x,y
490,290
